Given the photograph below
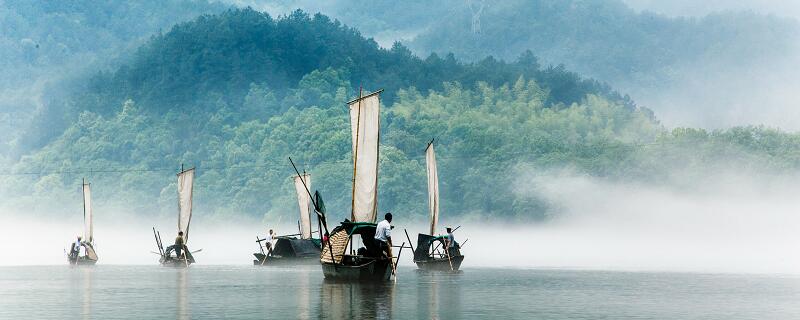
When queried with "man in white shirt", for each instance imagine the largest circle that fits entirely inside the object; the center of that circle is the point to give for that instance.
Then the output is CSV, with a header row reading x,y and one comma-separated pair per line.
x,y
76,247
383,233
268,241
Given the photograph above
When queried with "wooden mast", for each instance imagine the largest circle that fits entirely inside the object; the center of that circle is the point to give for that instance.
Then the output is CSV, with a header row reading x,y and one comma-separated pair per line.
x,y
355,157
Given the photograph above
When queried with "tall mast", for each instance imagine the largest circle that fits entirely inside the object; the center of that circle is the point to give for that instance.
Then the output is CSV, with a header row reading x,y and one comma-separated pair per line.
x,y
83,192
355,157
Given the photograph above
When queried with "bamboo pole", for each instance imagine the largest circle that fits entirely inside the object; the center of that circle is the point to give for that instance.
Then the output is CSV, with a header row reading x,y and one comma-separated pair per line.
x,y
316,209
409,240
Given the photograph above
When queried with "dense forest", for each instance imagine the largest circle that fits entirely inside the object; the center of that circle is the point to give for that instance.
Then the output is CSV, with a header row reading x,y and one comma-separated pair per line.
x,y
49,47
237,93
710,69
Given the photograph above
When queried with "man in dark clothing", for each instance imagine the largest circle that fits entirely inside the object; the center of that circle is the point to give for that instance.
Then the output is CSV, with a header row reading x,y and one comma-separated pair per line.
x,y
179,244
452,245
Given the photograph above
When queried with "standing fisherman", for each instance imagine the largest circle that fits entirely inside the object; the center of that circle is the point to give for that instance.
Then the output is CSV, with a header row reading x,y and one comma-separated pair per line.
x,y
76,248
268,241
452,245
179,244
383,233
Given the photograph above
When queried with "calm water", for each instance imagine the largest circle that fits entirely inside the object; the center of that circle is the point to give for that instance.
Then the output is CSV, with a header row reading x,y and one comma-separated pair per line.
x,y
245,292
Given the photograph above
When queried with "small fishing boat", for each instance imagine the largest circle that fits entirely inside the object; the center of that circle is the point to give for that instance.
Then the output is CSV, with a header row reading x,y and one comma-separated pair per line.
x,y
351,252
298,248
170,257
432,251
85,244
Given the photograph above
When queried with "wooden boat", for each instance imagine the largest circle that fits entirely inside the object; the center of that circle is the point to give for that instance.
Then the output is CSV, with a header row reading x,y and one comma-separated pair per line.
x,y
364,259
432,252
289,250
90,256
185,259
367,263
298,248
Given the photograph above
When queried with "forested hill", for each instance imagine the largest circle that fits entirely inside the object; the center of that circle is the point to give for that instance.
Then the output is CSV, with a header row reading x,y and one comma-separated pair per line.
x,y
48,47
609,40
222,55
237,93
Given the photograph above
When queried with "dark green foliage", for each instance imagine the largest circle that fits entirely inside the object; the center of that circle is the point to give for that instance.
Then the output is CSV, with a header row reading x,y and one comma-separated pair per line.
x,y
222,55
238,93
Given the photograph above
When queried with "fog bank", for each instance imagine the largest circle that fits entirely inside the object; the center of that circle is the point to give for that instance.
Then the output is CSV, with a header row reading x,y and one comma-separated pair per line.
x,y
726,223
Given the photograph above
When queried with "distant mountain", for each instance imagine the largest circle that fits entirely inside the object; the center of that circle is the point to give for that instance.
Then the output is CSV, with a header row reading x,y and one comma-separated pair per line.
x,y
222,55
48,46
712,70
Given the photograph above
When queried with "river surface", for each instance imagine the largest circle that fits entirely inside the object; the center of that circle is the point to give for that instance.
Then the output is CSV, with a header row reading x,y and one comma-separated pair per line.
x,y
247,292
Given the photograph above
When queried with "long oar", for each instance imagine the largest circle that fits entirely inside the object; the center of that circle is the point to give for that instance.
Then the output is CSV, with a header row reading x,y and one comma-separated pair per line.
x,y
185,259
394,268
447,251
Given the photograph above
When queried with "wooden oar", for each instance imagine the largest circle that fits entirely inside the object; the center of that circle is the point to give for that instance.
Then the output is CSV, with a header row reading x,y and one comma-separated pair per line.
x,y
394,267
447,250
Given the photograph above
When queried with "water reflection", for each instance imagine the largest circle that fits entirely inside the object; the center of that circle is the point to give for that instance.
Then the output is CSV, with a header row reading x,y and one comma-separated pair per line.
x,y
438,294
359,300
303,299
182,302
86,303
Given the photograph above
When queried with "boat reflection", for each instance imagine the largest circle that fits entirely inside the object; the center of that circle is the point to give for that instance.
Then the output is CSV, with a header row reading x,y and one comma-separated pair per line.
x,y
356,300
438,293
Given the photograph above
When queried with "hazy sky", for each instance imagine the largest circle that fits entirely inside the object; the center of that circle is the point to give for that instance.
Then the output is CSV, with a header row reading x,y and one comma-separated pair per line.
x,y
789,8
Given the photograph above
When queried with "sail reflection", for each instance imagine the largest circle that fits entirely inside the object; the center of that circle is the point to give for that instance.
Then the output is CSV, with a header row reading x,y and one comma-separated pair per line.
x,y
86,303
303,299
182,302
356,300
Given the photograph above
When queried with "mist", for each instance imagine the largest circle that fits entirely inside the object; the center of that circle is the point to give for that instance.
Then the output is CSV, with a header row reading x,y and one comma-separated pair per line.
x,y
715,96
699,8
730,223
727,222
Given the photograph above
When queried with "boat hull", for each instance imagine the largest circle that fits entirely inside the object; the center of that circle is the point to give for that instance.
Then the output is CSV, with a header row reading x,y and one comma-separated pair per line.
x,y
284,261
453,264
376,270
82,261
176,263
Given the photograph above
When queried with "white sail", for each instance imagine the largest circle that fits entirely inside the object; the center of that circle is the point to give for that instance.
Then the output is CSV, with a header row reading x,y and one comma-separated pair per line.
x,y
87,213
433,187
185,184
365,124
304,200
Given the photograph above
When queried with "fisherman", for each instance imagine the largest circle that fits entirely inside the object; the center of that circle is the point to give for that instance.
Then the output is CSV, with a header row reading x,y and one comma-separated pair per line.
x,y
179,244
450,241
76,248
383,233
268,241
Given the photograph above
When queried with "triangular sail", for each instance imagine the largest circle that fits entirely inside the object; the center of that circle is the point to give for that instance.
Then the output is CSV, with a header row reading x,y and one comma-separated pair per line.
x,y
185,185
87,213
304,201
365,124
433,186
